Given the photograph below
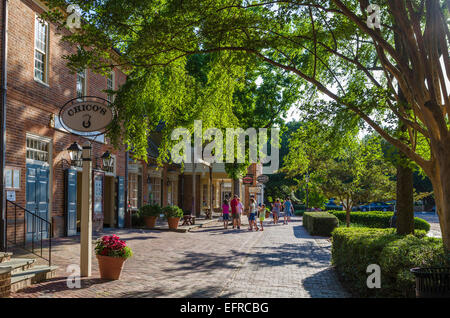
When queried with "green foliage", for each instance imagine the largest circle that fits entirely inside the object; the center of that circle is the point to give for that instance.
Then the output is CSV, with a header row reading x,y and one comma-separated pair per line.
x,y
319,223
150,210
377,219
172,211
354,249
339,166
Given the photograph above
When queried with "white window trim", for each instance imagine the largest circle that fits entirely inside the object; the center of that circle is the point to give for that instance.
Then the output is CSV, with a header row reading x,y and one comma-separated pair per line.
x,y
50,149
85,84
113,73
46,68
13,169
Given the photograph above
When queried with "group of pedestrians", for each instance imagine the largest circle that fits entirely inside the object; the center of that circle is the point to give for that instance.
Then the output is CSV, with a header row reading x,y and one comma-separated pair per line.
x,y
255,212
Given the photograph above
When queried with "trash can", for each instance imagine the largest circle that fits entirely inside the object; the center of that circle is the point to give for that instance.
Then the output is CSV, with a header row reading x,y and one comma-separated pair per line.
x,y
432,282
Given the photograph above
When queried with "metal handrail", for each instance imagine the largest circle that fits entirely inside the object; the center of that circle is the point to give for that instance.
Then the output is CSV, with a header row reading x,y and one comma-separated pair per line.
x,y
35,218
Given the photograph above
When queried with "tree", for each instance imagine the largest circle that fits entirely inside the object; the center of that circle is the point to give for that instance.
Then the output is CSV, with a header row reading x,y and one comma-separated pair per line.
x,y
341,166
321,42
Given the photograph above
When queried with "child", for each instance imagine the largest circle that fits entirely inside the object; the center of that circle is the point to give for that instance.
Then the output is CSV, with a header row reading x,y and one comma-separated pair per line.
x,y
262,215
225,213
252,215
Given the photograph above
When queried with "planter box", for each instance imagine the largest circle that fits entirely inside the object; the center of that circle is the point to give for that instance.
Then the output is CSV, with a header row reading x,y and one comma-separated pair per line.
x,y
173,223
150,221
110,267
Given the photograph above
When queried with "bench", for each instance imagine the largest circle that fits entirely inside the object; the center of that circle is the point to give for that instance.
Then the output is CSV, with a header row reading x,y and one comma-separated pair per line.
x,y
188,219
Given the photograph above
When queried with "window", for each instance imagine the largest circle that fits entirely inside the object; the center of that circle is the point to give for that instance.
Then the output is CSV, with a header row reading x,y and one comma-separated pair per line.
x,y
81,84
12,178
154,191
172,192
37,149
110,86
41,50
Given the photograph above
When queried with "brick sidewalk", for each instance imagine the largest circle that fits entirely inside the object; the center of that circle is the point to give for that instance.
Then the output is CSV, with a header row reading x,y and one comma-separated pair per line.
x,y
282,261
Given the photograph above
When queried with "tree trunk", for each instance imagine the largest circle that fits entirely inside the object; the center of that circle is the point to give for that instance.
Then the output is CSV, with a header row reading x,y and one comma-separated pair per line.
x,y
347,216
405,199
405,188
440,178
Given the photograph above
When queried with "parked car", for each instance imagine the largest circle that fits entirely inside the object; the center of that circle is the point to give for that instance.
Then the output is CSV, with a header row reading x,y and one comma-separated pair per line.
x,y
331,205
376,206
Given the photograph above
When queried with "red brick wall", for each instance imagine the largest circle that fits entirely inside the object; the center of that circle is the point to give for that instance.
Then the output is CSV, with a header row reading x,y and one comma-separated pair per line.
x,y
30,103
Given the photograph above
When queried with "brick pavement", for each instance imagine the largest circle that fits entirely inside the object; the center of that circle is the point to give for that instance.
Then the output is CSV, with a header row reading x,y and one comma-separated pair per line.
x,y
282,261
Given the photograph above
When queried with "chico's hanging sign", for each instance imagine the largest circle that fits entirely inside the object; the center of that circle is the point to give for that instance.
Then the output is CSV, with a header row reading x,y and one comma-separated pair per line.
x,y
86,115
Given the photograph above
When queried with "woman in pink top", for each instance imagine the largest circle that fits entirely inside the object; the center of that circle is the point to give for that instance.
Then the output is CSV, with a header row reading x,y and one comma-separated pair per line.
x,y
225,213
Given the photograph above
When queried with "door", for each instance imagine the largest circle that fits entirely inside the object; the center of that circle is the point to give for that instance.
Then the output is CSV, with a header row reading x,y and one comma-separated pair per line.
x,y
120,204
37,182
71,202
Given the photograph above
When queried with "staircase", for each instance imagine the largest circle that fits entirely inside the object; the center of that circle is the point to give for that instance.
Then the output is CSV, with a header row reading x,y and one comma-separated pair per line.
x,y
23,273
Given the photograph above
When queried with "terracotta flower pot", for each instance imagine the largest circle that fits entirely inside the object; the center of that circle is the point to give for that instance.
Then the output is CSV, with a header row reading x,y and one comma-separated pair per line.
x,y
173,223
110,267
150,221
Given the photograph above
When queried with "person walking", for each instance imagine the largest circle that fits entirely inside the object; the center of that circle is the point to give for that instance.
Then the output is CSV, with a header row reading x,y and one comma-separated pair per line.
x,y
288,210
225,213
252,215
262,215
239,210
276,207
234,215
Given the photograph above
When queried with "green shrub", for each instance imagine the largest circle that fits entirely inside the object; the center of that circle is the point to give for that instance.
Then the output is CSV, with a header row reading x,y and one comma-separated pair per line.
x,y
150,210
319,223
172,211
377,219
354,249
299,212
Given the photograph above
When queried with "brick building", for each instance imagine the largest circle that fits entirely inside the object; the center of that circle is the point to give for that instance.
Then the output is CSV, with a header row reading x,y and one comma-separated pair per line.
x,y
39,175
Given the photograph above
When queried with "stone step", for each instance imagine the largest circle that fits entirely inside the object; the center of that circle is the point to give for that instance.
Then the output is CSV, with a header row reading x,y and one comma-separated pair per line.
x,y
18,265
27,278
4,256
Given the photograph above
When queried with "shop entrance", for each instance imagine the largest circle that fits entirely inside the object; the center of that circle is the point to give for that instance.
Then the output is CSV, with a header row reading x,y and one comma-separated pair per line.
x,y
37,200
110,219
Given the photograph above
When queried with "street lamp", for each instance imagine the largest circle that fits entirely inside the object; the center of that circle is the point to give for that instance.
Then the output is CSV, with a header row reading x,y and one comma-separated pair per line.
x,y
75,153
108,161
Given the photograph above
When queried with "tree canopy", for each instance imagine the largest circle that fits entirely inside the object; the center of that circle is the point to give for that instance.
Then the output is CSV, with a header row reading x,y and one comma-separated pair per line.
x,y
328,44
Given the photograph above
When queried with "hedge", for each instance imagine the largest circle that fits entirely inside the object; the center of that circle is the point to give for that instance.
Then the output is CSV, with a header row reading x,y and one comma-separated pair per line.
x,y
377,219
320,223
354,249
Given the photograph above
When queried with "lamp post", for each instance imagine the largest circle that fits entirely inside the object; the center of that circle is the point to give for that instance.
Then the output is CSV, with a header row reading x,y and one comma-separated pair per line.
x,y
307,190
85,154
